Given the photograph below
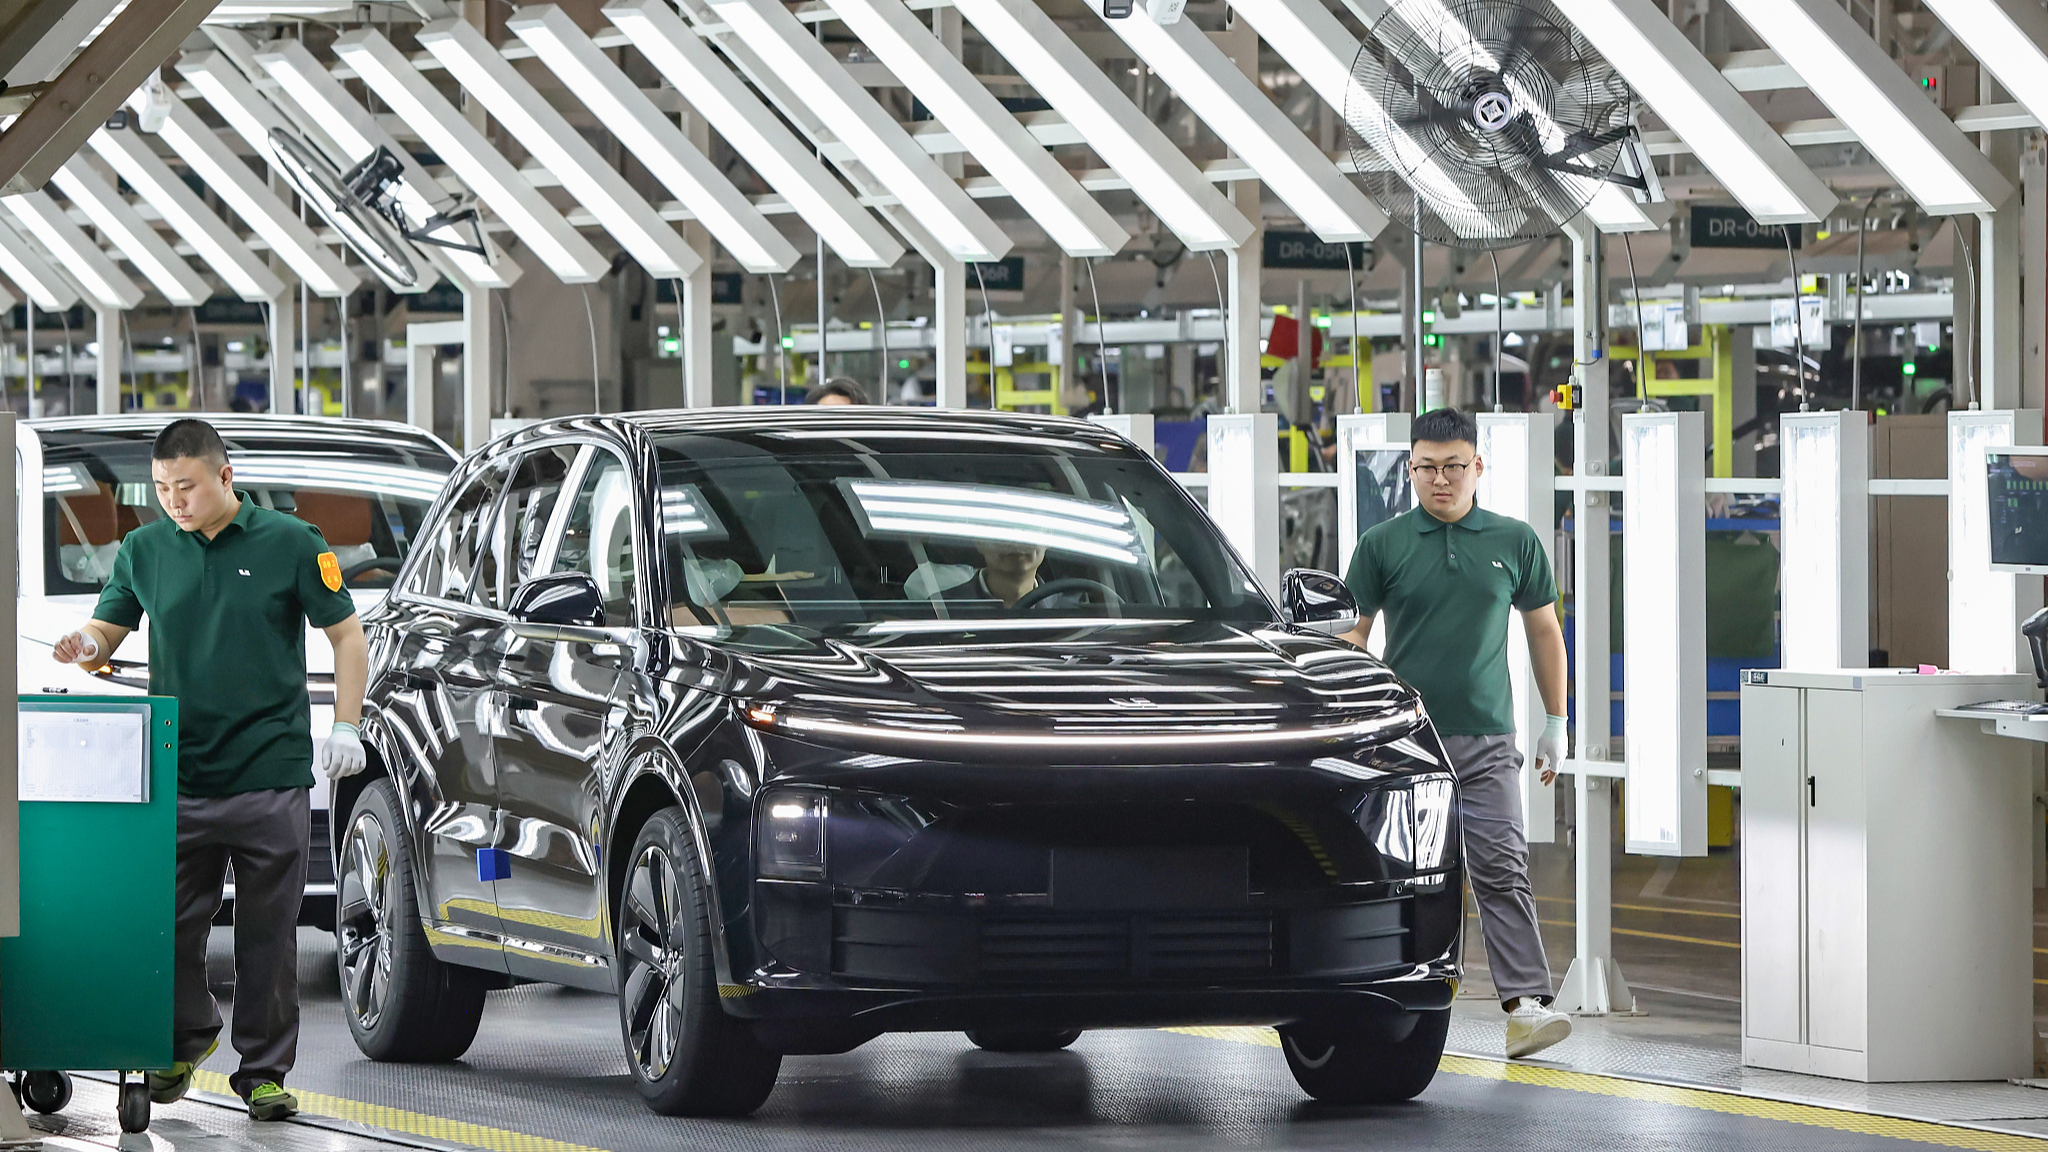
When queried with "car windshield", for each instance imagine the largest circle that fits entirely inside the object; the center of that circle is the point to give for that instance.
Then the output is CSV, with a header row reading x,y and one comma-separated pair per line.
x,y
366,497
823,528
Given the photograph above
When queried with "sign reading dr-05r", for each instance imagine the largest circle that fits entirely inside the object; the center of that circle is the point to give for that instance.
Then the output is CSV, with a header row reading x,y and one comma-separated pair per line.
x,y
1306,250
1726,226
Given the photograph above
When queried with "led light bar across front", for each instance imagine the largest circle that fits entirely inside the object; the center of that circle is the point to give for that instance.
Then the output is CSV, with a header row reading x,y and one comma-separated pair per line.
x,y
125,228
1919,145
474,160
1234,107
128,153
91,269
2010,37
45,286
241,190
755,132
1158,172
655,139
1691,96
879,143
948,88
556,144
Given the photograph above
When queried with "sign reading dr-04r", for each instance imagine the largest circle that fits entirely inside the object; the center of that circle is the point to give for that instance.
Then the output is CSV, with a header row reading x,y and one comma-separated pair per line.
x,y
1303,250
1726,226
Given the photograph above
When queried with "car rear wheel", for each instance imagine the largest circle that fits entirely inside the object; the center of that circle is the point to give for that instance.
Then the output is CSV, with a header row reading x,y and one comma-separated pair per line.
x,y
404,1004
689,1058
1367,1063
1023,1039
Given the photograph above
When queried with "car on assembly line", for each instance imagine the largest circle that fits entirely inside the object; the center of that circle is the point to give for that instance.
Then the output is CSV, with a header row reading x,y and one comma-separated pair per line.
x,y
84,483
793,727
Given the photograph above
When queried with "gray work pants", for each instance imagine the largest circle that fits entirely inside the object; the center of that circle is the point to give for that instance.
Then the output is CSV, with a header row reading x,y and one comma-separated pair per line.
x,y
264,834
1497,861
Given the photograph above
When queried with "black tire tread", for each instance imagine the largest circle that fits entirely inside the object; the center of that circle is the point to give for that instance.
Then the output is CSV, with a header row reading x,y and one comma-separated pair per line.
x,y
1366,1067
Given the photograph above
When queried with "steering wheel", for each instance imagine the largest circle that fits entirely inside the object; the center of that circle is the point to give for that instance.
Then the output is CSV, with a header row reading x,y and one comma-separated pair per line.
x,y
388,563
1046,591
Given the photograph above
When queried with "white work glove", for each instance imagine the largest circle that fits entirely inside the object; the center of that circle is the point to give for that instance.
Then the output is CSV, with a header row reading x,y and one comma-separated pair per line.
x,y
342,755
1550,748
76,648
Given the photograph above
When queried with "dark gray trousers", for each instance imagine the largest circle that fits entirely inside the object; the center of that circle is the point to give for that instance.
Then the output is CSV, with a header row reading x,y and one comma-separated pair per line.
x,y
264,835
1497,861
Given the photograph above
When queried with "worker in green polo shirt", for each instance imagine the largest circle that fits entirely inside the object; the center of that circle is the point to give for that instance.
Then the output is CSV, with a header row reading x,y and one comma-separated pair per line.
x,y
228,588
1446,574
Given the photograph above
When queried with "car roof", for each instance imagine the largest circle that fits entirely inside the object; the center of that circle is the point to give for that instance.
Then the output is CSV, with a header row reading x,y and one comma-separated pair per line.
x,y
853,418
145,426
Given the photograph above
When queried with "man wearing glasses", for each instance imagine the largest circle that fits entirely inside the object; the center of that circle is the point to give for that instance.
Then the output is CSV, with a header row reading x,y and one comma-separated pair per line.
x,y
1446,574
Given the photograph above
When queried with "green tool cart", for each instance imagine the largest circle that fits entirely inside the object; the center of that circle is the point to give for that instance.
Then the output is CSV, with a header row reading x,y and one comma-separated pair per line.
x,y
87,984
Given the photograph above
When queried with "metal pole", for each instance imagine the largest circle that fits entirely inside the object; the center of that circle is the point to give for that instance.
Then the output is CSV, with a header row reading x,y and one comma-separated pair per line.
x,y
1856,337
1417,361
822,320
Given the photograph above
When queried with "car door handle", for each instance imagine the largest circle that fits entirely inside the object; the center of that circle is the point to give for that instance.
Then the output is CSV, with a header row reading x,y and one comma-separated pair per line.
x,y
414,681
521,704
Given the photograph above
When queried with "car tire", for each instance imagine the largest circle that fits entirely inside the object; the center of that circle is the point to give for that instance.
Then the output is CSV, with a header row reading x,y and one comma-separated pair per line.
x,y
404,1004
1023,1039
688,1056
1365,1064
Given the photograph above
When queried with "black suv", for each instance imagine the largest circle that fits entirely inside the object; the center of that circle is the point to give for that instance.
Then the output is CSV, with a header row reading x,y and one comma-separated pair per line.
x,y
792,727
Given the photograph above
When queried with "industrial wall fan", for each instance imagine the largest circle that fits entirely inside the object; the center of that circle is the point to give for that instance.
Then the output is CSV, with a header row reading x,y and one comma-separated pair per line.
x,y
1485,124
362,204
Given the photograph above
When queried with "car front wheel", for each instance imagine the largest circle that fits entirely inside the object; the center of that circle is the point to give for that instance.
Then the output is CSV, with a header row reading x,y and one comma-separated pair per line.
x,y
404,1004
689,1058
1366,1063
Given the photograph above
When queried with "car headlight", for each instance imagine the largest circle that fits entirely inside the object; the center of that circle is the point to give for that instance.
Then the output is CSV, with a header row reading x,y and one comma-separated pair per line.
x,y
790,834
1410,820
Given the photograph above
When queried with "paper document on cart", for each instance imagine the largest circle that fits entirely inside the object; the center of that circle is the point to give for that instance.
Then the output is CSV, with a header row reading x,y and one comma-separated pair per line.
x,y
88,757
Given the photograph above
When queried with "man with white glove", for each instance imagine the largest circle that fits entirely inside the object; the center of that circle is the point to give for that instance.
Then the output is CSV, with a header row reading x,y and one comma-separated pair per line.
x,y
229,587
1447,575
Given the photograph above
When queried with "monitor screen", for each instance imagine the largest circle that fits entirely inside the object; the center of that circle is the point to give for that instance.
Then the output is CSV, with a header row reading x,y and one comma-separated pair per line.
x,y
2018,490
1384,488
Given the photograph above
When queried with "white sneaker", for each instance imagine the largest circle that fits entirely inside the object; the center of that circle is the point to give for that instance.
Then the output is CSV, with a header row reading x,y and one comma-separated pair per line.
x,y
1533,1027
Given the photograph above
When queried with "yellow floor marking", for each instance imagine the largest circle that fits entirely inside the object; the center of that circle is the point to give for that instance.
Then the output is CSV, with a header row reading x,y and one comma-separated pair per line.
x,y
1652,907
1639,932
398,1120
1700,1099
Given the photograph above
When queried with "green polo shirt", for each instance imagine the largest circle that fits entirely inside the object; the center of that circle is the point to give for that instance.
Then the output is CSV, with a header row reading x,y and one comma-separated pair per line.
x,y
1446,590
227,637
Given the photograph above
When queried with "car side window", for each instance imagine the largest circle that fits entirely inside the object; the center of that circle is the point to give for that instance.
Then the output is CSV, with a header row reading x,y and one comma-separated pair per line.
x,y
597,539
522,524
449,556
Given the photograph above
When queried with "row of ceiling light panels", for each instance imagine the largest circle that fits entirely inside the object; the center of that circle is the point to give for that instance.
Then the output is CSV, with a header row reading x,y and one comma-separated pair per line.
x,y
768,52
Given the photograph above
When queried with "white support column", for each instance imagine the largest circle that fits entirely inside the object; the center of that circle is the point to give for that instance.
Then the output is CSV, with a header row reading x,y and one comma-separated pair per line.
x,y
1244,488
2002,252
693,320
1242,389
1137,428
479,358
284,351
1985,608
1825,544
1356,433
421,344
2033,212
949,302
1520,482
108,392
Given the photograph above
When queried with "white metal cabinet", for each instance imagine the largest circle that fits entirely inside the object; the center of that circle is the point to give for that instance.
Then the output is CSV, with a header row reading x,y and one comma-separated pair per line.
x,y
1886,880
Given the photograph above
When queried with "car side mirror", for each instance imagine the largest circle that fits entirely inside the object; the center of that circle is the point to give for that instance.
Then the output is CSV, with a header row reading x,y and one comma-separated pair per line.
x,y
561,598
1318,602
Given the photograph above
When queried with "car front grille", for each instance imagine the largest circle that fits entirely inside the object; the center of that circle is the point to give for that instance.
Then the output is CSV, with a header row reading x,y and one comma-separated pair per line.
x,y
1126,947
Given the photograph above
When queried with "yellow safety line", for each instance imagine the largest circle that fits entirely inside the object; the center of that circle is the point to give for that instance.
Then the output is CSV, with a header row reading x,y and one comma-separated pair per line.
x,y
399,1120
1700,1099
1639,932
1652,908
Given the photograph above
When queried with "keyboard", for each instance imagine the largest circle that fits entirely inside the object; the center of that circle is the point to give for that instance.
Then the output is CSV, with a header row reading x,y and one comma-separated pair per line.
x,y
2009,707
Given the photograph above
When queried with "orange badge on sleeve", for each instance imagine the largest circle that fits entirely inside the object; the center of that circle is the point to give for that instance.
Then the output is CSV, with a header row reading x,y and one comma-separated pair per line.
x,y
330,571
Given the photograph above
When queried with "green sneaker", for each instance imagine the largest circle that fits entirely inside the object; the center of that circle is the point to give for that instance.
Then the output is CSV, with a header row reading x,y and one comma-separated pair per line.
x,y
170,1085
269,1101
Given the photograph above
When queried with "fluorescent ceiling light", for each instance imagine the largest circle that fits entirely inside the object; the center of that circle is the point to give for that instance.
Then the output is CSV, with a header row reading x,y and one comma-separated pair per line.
x,y
473,159
2010,37
1690,95
125,228
1914,140
650,135
1664,678
1158,172
244,192
556,144
91,269
883,147
129,154
756,133
32,274
357,134
1040,184
1235,108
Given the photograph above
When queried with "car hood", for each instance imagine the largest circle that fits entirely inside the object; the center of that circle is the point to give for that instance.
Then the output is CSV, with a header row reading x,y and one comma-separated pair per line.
x,y
1135,690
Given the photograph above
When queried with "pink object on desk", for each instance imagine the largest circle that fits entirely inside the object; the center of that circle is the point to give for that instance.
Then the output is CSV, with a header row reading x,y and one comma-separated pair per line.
x,y
1928,670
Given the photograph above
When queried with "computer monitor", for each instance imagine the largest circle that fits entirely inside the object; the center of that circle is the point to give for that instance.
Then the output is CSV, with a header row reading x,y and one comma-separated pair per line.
x,y
2017,489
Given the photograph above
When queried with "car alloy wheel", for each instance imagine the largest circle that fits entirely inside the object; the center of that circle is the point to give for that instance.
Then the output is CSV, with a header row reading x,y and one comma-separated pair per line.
x,y
654,958
363,920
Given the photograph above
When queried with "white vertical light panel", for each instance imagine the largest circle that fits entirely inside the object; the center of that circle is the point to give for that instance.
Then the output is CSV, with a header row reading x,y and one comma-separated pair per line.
x,y
1985,608
1520,482
32,274
1664,631
1360,432
883,147
1825,542
1244,489
128,153
91,269
125,228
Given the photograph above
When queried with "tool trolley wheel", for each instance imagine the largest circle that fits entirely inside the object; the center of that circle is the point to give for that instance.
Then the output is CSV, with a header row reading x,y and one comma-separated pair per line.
x,y
134,1107
46,1092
